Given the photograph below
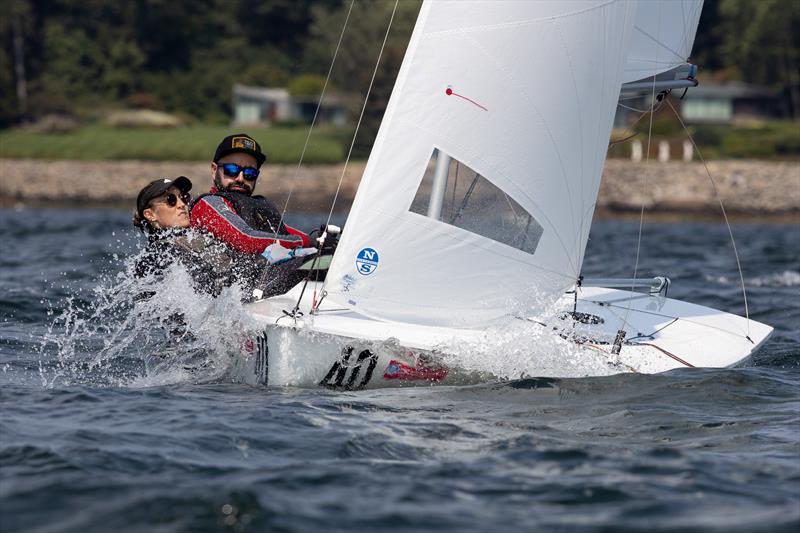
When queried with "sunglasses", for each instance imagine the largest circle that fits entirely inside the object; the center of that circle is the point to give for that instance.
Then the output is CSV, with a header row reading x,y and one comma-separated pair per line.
x,y
232,170
172,199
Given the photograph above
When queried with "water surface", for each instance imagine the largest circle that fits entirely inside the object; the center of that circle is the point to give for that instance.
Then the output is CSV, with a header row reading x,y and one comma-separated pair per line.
x,y
103,429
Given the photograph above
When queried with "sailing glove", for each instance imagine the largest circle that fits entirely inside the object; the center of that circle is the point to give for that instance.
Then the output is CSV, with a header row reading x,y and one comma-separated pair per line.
x,y
276,254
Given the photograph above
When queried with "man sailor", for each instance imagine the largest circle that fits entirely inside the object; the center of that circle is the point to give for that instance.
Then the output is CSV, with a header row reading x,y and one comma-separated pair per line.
x,y
246,222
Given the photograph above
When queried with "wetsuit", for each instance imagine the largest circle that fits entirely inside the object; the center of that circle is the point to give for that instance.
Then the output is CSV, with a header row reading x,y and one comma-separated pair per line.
x,y
246,223
211,264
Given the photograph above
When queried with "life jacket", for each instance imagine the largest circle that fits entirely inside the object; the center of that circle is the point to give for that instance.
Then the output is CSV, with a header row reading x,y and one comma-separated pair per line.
x,y
258,212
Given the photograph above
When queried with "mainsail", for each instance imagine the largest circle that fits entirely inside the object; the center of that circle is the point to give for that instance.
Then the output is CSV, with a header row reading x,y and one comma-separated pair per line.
x,y
662,37
479,193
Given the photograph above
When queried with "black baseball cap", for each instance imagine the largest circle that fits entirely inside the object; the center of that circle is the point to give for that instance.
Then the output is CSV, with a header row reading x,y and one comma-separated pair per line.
x,y
158,187
240,142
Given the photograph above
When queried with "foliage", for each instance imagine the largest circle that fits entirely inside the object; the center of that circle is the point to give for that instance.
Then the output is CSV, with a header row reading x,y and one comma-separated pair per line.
x,y
182,57
781,139
196,143
307,85
358,54
770,140
753,41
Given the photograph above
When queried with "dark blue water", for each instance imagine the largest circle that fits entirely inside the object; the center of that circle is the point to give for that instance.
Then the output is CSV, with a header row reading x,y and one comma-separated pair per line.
x,y
100,432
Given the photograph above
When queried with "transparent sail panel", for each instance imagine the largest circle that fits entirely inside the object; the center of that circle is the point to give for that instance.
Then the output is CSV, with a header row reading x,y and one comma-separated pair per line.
x,y
455,194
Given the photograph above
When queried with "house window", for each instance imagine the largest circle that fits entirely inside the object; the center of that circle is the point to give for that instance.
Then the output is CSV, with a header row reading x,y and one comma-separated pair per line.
x,y
717,110
461,197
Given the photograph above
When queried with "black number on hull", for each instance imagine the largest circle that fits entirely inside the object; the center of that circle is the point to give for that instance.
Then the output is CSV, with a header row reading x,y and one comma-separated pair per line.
x,y
262,359
335,378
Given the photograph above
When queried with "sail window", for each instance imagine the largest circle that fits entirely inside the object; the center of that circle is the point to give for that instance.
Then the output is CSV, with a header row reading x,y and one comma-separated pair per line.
x,y
455,194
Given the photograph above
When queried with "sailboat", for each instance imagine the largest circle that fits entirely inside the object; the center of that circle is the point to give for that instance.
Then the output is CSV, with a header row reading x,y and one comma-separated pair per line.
x,y
474,209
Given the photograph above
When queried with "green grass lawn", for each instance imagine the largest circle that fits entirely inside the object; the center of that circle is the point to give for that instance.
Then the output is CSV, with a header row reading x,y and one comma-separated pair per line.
x,y
192,143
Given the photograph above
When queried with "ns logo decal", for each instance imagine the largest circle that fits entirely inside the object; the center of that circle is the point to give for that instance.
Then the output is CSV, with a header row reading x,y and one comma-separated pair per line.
x,y
367,261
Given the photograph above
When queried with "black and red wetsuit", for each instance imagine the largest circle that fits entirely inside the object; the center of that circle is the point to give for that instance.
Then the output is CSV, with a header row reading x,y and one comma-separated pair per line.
x,y
246,223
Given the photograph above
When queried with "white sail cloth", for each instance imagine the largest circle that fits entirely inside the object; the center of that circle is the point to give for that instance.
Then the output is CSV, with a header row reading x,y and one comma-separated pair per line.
x,y
522,93
662,37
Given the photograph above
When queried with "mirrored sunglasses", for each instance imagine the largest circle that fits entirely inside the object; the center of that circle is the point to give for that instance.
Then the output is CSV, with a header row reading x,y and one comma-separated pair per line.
x,y
232,170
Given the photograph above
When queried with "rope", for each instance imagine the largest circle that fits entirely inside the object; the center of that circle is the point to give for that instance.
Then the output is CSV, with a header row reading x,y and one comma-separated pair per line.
x,y
350,150
644,181
361,116
665,352
316,113
635,122
644,190
724,214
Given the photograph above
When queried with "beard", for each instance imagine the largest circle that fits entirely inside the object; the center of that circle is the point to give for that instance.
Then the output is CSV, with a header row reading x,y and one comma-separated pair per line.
x,y
241,188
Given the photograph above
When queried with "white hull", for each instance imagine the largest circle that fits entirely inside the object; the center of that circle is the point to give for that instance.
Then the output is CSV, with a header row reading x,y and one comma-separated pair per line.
x,y
341,349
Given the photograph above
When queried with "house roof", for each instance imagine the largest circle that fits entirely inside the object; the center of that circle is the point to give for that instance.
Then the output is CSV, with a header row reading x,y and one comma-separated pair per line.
x,y
281,93
729,90
266,93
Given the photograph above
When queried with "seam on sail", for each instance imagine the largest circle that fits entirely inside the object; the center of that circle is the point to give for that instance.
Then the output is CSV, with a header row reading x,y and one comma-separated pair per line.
x,y
504,308
660,44
542,214
535,109
578,104
423,221
369,314
505,25
445,231
598,152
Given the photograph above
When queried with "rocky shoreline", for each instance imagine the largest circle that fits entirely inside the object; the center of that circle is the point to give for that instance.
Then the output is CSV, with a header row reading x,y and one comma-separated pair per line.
x,y
749,189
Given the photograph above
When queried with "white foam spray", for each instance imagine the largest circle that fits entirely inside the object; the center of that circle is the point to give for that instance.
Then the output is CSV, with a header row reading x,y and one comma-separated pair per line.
x,y
141,332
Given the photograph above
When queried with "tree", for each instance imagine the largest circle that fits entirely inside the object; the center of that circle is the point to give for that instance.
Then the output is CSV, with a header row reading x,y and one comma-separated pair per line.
x,y
358,53
762,40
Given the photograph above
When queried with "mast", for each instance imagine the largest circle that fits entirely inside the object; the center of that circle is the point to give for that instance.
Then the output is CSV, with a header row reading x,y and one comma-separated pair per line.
x,y
439,185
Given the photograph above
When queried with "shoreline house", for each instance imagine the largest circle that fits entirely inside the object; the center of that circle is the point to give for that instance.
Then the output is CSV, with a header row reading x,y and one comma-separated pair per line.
x,y
264,106
708,103
730,103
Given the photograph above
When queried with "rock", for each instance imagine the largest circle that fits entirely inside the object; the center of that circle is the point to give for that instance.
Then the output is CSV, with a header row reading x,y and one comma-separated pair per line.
x,y
755,188
143,118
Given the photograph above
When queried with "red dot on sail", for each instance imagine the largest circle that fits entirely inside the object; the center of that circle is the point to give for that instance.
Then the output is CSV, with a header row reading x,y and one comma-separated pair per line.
x,y
448,91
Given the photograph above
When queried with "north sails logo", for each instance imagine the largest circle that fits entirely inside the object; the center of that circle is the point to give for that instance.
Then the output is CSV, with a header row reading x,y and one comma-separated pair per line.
x,y
367,261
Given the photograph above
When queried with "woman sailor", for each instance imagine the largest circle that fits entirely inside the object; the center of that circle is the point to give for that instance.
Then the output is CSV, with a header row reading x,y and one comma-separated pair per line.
x,y
162,212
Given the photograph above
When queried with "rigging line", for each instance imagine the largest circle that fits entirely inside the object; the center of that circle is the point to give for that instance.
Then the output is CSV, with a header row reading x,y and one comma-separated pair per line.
x,y
624,139
633,108
360,118
316,113
665,352
455,186
585,229
635,122
644,178
465,201
361,115
653,313
644,190
724,214
651,335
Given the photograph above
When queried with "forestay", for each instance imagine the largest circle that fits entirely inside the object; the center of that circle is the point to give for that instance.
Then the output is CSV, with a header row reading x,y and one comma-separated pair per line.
x,y
662,38
479,193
